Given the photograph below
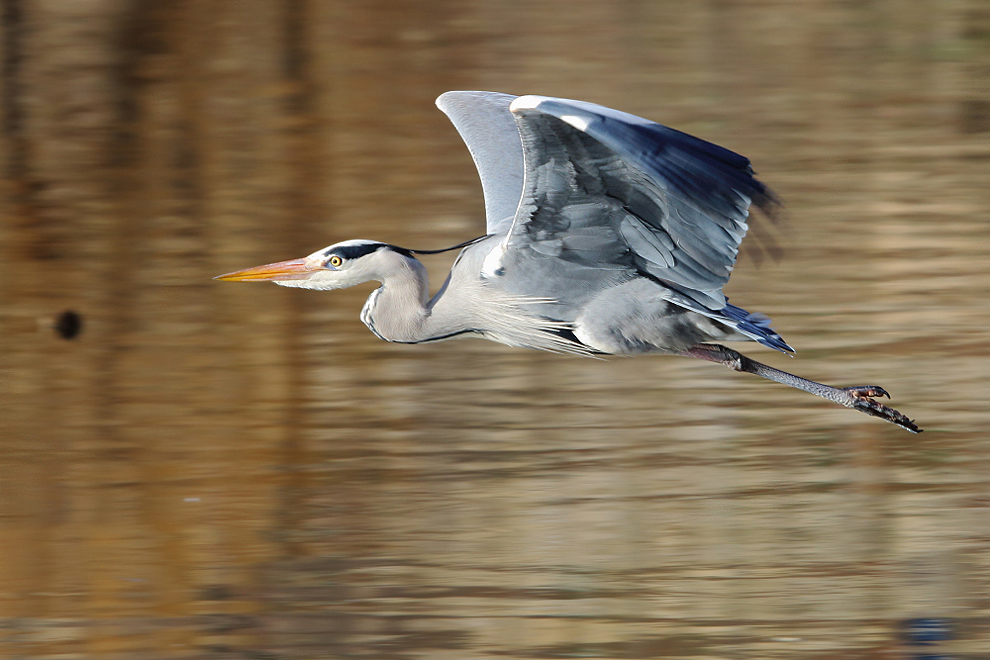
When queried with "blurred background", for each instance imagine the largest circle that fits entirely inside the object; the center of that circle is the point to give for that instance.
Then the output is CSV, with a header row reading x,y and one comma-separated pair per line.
x,y
199,469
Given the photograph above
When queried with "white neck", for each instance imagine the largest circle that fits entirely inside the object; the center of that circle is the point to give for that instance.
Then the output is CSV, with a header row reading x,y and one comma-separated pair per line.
x,y
396,311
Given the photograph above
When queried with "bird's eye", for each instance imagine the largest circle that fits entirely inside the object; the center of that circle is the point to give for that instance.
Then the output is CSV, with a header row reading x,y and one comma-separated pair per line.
x,y
335,261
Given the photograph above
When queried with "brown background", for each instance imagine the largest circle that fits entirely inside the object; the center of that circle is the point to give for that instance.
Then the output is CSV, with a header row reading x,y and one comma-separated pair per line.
x,y
231,471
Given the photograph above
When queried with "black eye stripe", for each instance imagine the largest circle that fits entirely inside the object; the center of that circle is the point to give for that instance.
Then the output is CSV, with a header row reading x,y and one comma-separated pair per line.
x,y
354,251
349,252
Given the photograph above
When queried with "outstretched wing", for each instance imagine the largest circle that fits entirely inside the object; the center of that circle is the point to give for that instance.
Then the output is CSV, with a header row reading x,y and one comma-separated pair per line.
x,y
608,188
489,131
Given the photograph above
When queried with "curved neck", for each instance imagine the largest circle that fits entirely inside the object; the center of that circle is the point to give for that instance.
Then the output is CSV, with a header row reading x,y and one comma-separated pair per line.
x,y
397,310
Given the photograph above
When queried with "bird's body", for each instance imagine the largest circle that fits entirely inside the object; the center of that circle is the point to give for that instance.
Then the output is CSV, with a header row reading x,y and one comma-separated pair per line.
x,y
607,234
582,309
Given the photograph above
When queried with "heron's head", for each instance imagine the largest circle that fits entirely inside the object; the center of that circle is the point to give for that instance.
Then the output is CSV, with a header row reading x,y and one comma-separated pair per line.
x,y
336,267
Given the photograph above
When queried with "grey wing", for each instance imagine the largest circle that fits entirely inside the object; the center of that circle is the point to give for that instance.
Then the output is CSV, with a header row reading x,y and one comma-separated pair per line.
x,y
610,189
489,131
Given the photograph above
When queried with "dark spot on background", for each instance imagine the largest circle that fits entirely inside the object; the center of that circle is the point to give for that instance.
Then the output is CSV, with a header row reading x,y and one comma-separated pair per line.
x,y
69,324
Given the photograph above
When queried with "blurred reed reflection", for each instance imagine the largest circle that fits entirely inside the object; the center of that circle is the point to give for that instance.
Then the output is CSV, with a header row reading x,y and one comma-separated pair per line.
x,y
217,471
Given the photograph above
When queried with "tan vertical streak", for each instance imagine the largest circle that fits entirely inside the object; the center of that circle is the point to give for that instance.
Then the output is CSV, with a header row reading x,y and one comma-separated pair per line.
x,y
227,55
721,63
303,150
58,233
21,380
869,85
946,70
134,548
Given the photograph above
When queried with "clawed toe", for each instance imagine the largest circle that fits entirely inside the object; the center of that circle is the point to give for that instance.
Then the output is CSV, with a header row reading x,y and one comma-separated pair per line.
x,y
867,391
877,409
864,402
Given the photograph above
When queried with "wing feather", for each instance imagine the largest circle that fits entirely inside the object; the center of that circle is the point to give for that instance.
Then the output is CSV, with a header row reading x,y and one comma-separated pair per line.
x,y
677,203
489,131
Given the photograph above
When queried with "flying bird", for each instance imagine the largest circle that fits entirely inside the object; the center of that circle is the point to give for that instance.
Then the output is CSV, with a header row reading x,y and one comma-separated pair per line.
x,y
607,234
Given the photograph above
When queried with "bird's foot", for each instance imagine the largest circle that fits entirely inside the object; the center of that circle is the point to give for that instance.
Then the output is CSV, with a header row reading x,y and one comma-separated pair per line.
x,y
863,401
866,390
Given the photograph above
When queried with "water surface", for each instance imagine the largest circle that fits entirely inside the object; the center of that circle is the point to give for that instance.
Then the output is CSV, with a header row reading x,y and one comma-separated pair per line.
x,y
214,470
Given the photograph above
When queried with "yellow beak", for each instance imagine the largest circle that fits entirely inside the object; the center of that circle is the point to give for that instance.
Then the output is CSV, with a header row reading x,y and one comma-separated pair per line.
x,y
293,269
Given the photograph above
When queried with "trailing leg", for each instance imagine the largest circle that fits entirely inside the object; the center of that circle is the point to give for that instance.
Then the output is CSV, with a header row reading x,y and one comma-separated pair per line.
x,y
859,397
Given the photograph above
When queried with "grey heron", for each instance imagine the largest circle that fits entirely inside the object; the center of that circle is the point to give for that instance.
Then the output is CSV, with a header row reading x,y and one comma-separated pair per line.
x,y
607,234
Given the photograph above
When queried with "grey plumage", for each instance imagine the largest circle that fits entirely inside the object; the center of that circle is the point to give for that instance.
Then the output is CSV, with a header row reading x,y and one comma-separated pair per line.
x,y
606,234
489,130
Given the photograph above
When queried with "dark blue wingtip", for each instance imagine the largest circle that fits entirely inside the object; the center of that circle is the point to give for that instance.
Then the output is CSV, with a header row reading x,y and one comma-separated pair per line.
x,y
778,343
717,174
757,326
